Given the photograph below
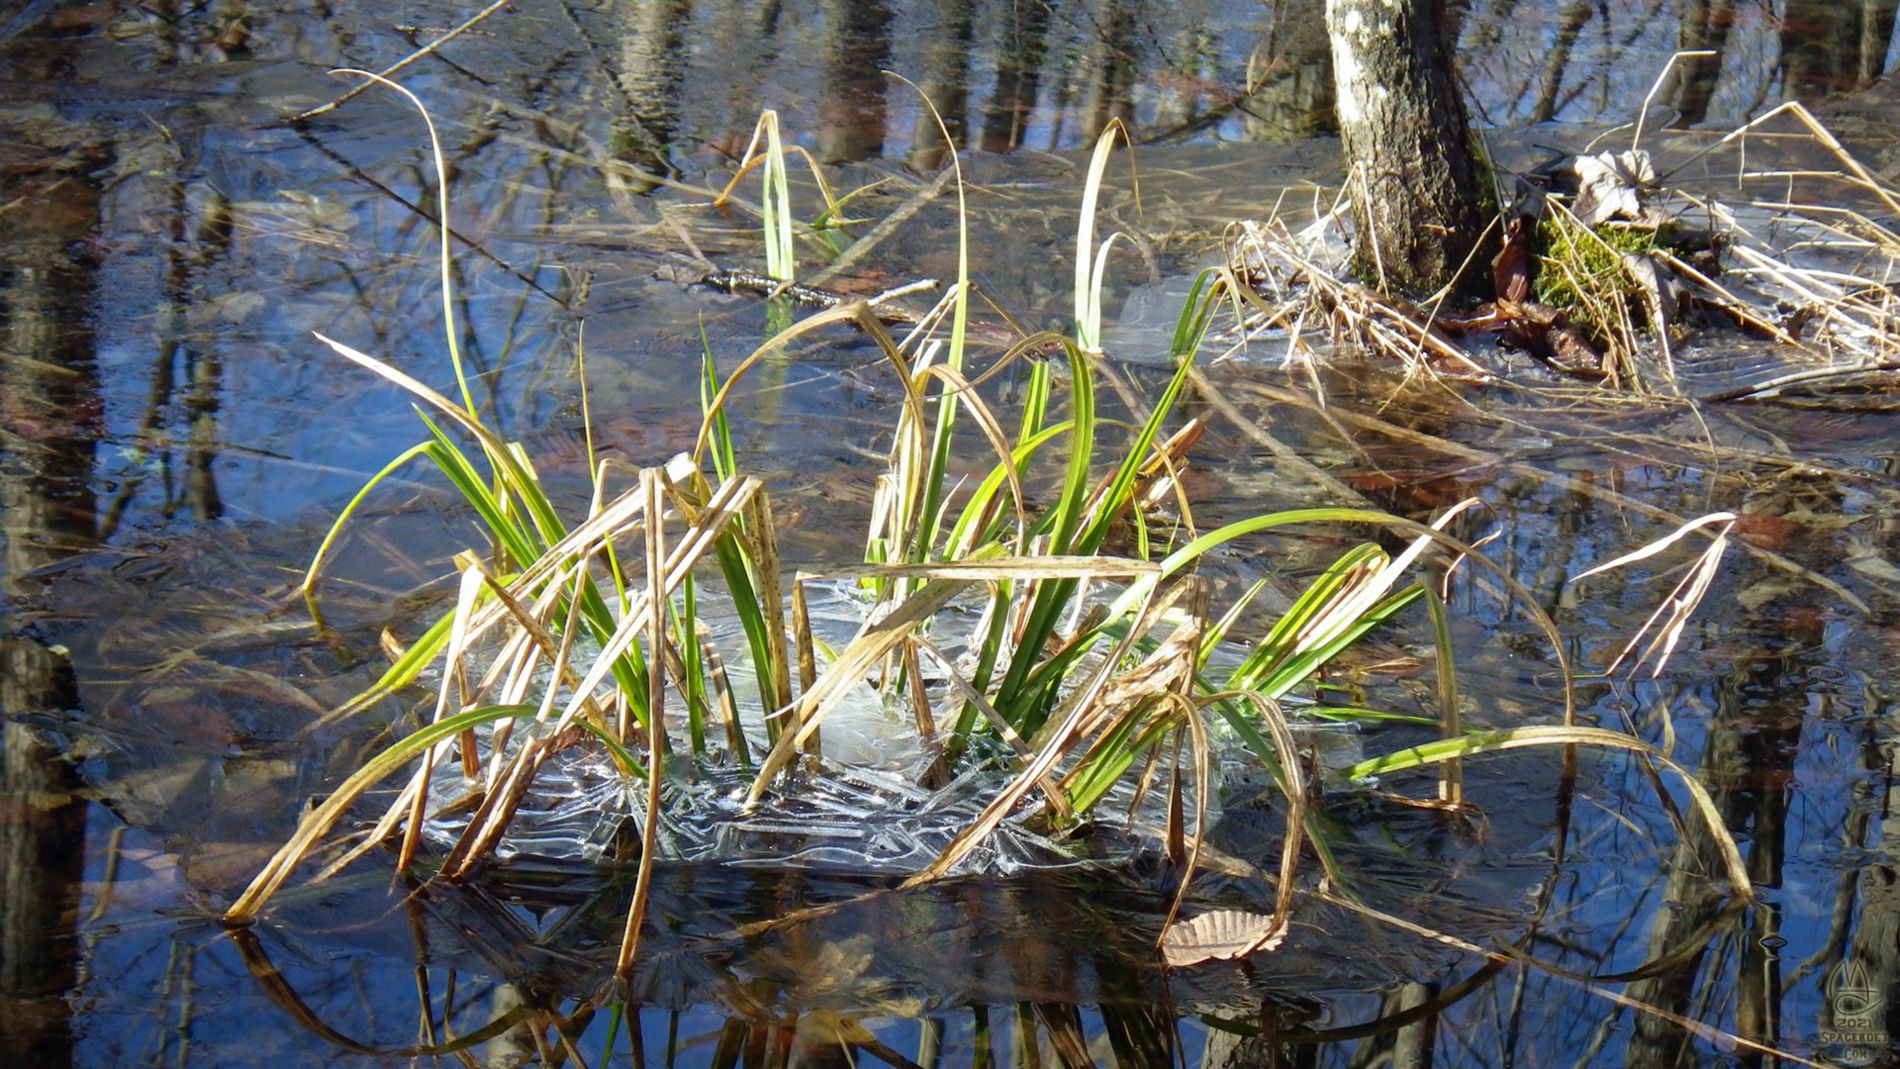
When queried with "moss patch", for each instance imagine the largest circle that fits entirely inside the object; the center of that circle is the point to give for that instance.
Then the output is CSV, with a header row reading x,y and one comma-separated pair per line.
x,y
1580,272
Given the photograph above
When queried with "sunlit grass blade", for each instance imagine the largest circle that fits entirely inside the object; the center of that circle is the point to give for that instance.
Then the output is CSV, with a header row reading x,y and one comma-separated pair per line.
x,y
1451,779
356,500
319,820
657,594
1091,266
1483,742
929,517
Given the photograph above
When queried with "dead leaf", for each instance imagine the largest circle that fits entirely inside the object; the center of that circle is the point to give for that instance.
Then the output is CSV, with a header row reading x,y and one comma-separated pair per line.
x,y
1610,186
1511,267
1220,935
1662,290
1572,354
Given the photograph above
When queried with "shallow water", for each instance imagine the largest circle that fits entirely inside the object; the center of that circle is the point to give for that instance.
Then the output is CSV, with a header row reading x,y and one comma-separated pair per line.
x,y
173,443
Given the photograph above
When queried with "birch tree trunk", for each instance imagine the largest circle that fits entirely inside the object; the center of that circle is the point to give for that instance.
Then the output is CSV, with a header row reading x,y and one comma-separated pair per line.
x,y
1418,198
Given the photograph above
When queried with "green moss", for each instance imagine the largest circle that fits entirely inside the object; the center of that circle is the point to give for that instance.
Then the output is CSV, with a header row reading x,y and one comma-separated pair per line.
x,y
1580,272
1489,189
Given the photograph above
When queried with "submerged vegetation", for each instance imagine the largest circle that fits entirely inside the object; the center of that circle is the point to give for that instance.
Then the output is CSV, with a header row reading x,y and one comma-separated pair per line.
x,y
1038,623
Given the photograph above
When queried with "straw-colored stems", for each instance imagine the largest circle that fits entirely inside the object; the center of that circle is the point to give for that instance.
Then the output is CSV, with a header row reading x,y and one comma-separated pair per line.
x,y
318,821
699,538
458,644
656,718
807,656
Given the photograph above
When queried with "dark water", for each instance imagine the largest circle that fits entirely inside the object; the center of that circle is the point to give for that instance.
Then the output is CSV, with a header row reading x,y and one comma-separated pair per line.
x,y
173,442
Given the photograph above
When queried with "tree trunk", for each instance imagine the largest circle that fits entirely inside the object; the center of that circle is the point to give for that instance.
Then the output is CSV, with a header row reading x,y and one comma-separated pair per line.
x,y
1820,48
947,84
1418,200
1112,69
851,105
1570,22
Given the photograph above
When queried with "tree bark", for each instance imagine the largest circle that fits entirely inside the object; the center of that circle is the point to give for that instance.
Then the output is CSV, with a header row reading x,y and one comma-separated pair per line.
x,y
1414,178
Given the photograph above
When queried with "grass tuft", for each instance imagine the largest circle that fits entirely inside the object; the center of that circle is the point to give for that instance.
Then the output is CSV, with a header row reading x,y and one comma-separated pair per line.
x,y
1082,656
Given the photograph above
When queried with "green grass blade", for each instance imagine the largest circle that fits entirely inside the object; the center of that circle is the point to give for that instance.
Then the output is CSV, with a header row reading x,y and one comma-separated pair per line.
x,y
1484,742
1121,486
336,528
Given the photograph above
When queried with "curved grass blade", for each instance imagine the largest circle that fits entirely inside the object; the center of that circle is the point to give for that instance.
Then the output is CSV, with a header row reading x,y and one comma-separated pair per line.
x,y
336,527
391,760
1484,742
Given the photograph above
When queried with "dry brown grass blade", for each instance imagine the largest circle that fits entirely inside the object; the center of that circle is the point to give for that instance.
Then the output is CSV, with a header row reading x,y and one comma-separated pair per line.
x,y
1821,133
490,820
760,537
994,567
466,596
1407,336
1203,786
722,693
807,654
936,774
658,589
1133,693
617,516
1682,601
726,507
1568,483
1293,788
556,649
966,693
1720,295
874,641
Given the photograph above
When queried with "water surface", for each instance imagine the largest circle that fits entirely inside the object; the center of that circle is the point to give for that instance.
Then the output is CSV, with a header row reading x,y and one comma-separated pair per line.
x,y
173,442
